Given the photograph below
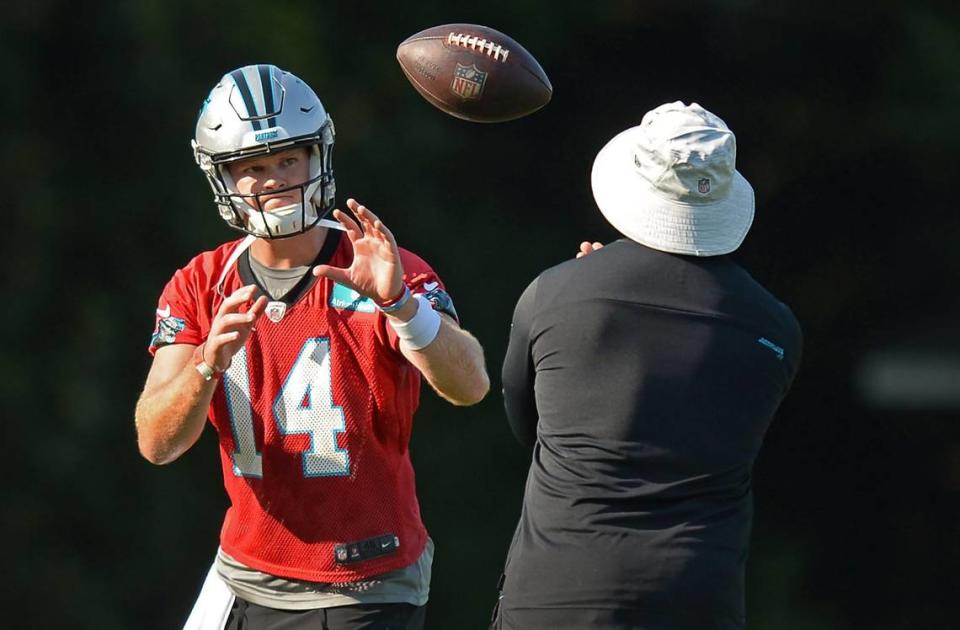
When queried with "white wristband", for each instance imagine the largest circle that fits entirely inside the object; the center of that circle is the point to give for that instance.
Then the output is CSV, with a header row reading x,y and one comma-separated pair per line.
x,y
422,328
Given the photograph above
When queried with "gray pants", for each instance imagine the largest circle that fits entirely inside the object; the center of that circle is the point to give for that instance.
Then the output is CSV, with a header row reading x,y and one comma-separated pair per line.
x,y
247,616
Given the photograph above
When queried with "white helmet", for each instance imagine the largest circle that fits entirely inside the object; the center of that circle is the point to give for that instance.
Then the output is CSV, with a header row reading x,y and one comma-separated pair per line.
x,y
258,110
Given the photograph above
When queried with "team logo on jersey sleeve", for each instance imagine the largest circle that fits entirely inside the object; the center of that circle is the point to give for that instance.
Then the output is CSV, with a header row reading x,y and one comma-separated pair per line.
x,y
439,298
345,298
167,329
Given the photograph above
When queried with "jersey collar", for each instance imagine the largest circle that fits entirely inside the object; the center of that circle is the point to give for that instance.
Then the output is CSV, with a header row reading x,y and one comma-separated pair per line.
x,y
306,283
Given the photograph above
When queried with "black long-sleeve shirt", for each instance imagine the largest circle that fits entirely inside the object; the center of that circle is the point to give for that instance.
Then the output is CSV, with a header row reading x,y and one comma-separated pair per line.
x,y
646,382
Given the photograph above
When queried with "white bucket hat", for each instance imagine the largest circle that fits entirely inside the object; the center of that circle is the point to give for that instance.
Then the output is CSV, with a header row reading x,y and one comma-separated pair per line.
x,y
671,183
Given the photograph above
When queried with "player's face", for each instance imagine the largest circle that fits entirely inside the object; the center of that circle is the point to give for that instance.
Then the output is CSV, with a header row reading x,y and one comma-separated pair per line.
x,y
260,175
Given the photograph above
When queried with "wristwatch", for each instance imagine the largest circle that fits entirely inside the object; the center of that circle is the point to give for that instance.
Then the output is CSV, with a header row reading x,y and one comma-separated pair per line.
x,y
207,371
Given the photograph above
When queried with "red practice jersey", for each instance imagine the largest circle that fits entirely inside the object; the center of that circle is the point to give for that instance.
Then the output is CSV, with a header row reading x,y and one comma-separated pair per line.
x,y
314,417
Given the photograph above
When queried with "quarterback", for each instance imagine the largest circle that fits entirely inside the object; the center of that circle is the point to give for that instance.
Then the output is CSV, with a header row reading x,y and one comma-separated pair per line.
x,y
304,343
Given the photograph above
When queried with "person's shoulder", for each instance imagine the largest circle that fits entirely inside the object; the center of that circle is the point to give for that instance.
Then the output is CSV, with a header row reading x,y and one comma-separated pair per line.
x,y
610,256
553,284
762,296
209,264
413,263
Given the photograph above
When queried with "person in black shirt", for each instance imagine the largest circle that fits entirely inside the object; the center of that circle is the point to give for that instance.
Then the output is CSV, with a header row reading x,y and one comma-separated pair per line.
x,y
645,375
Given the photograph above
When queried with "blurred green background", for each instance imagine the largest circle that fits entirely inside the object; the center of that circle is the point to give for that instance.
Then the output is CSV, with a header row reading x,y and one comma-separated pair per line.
x,y
847,123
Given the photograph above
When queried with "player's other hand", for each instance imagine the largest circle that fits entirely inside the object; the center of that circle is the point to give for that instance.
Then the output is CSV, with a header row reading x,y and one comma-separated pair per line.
x,y
586,247
231,326
376,271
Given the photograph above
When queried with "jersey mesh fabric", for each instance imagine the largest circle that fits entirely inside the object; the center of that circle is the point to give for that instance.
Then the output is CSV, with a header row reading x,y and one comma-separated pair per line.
x,y
314,418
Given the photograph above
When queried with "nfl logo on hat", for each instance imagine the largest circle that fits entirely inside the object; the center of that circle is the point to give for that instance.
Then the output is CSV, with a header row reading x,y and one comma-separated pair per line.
x,y
703,185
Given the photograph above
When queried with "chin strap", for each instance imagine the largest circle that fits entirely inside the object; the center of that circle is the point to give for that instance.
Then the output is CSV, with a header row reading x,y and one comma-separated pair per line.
x,y
329,223
234,255
259,220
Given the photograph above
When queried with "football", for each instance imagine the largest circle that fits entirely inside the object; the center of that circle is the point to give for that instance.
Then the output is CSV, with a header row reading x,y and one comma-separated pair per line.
x,y
474,72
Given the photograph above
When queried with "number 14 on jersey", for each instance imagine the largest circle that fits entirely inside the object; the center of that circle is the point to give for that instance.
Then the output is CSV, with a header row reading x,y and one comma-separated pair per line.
x,y
304,406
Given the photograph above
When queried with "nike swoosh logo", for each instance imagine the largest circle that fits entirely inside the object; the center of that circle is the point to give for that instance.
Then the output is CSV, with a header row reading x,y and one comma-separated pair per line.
x,y
430,286
307,110
165,312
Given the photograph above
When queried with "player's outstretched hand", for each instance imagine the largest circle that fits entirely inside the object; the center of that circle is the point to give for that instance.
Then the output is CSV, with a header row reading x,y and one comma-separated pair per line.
x,y
586,247
231,327
376,271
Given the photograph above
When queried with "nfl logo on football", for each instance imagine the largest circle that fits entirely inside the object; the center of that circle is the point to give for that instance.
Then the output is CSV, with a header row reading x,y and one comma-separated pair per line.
x,y
468,81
